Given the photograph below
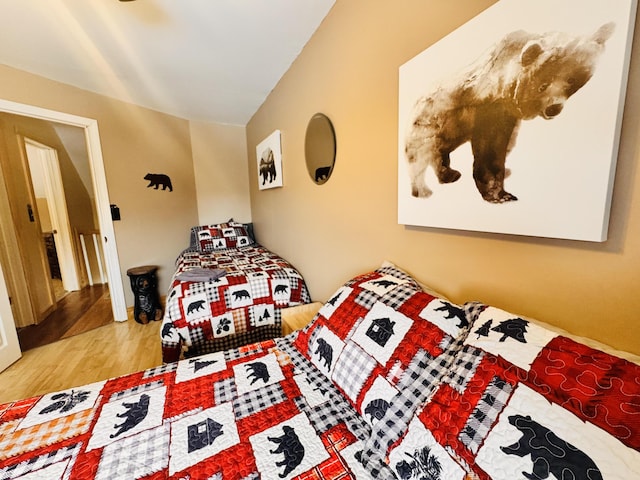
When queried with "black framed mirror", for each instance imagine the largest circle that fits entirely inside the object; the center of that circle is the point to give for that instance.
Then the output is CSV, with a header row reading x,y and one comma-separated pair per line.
x,y
320,148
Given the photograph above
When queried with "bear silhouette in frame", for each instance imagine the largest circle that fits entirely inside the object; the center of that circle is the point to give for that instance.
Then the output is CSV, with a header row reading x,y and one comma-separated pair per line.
x,y
549,453
157,180
523,76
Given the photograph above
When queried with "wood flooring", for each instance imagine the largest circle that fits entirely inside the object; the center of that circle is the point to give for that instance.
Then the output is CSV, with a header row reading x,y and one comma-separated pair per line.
x,y
77,312
108,351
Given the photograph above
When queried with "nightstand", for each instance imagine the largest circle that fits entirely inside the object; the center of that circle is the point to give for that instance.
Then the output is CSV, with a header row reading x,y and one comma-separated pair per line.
x,y
295,318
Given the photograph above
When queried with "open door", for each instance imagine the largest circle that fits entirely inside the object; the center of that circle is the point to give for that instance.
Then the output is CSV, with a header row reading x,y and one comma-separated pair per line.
x,y
46,176
99,181
9,345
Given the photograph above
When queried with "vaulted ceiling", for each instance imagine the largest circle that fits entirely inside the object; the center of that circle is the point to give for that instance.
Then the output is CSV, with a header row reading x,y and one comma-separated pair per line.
x,y
207,60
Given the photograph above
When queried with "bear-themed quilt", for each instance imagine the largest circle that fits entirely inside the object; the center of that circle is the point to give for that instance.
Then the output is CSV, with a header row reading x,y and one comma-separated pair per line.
x,y
227,291
257,412
524,402
387,382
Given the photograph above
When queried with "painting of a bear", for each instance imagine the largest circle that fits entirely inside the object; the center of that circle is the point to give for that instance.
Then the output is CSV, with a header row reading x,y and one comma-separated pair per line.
x,y
510,124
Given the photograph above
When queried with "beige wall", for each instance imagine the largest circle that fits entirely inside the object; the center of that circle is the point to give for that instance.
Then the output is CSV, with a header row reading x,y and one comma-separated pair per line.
x,y
222,175
79,200
349,71
135,141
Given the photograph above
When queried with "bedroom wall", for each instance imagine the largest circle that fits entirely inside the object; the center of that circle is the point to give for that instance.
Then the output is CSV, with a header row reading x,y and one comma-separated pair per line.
x,y
135,141
349,71
221,172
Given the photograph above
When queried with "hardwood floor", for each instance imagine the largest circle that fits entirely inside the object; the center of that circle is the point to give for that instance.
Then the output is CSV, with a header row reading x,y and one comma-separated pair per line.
x,y
77,312
104,352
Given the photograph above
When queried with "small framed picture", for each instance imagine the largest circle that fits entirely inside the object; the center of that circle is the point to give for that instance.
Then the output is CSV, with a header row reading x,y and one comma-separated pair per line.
x,y
269,157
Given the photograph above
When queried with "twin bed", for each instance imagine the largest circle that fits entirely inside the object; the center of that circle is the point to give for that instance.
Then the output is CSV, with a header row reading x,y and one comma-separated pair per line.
x,y
387,381
227,291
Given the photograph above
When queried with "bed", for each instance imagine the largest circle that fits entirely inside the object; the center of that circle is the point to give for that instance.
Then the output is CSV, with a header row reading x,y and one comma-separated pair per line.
x,y
227,291
387,381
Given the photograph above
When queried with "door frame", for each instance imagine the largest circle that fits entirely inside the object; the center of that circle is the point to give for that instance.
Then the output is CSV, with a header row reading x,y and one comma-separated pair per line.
x,y
9,343
99,181
54,188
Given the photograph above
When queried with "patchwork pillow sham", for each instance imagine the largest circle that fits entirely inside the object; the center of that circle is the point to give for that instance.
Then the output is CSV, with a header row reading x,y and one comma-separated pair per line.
x,y
220,236
525,401
378,335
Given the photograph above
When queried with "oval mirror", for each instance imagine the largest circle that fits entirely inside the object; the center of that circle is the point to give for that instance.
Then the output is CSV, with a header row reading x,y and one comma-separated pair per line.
x,y
320,148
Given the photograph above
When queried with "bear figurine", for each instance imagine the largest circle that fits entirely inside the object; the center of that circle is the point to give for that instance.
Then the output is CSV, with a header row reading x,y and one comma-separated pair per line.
x,y
523,76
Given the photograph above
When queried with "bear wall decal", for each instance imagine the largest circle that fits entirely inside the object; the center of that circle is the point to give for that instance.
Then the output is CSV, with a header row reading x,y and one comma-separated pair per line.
x,y
523,76
159,179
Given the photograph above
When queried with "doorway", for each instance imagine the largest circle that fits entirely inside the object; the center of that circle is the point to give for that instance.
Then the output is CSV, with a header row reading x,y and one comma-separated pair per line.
x,y
51,206
11,267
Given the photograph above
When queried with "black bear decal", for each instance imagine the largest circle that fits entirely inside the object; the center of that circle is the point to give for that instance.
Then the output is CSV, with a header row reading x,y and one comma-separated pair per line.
x,y
159,179
195,306
203,434
257,371
549,453
134,414
325,351
454,312
288,444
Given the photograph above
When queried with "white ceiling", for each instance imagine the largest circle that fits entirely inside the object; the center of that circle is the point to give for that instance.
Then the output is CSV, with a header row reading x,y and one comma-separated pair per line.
x,y
207,60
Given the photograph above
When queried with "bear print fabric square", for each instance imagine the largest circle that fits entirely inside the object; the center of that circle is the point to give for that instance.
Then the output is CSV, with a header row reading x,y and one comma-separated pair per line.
x,y
221,236
374,332
561,409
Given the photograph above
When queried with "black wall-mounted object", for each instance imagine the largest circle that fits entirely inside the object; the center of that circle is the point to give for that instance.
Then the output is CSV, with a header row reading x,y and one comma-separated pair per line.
x,y
157,180
115,212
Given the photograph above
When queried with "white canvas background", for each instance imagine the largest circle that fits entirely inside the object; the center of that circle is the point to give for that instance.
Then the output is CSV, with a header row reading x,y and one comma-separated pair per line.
x,y
561,169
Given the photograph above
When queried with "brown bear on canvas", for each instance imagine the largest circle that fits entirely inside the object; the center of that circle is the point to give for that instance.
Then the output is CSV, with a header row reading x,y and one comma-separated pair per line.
x,y
523,76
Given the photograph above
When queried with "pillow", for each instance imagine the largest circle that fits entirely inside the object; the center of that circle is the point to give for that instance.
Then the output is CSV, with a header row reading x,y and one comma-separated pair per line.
x,y
423,286
219,236
523,400
378,334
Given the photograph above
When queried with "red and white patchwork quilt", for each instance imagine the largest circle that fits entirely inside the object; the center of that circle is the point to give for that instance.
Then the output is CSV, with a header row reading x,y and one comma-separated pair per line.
x,y
241,306
257,412
523,402
387,381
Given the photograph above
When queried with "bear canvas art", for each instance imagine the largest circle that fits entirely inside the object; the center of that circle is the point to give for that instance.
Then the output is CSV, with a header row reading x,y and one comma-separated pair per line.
x,y
269,162
525,75
511,123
